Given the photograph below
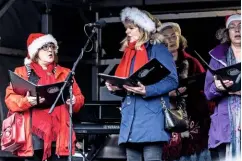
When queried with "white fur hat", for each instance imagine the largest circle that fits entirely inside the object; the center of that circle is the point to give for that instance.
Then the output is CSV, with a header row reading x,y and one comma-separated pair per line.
x,y
138,17
35,42
232,18
170,24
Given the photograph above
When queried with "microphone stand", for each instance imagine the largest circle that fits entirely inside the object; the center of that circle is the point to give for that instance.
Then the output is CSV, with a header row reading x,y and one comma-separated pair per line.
x,y
69,81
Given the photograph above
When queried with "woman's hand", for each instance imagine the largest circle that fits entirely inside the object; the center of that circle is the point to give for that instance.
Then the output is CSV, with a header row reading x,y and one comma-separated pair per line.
x,y
139,90
111,88
181,90
73,100
219,85
33,100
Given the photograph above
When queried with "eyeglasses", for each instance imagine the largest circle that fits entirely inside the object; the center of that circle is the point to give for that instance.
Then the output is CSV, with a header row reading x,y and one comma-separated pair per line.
x,y
233,28
172,37
47,46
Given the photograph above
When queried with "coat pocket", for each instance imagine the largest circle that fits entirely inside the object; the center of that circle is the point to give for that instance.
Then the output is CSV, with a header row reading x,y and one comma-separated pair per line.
x,y
223,118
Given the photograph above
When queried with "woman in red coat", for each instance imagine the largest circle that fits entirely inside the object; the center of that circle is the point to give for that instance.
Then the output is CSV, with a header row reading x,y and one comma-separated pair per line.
x,y
43,129
194,140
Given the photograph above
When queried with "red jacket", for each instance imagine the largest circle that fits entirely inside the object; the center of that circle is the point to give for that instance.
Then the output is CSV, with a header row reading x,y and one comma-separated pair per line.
x,y
19,103
196,67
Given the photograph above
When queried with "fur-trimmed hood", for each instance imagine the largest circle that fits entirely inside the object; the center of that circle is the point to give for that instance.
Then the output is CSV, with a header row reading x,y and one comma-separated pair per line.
x,y
138,17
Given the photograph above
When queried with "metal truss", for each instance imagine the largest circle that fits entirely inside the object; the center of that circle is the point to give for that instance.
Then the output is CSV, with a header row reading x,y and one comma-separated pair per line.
x,y
6,7
186,15
65,3
12,52
23,54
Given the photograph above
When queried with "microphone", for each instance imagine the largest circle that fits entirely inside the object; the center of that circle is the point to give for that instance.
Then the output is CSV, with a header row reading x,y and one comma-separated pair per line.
x,y
98,24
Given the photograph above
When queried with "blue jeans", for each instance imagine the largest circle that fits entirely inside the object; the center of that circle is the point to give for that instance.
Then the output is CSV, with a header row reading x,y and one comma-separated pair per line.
x,y
144,152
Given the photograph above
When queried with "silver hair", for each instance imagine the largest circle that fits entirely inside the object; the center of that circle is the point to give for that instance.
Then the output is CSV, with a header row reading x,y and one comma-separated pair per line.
x,y
222,35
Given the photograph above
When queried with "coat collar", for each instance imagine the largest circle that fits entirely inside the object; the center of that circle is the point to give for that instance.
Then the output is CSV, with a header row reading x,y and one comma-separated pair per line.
x,y
59,70
219,53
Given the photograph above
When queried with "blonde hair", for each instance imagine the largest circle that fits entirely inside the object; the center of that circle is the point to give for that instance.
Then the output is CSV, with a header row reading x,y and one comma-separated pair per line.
x,y
174,28
145,36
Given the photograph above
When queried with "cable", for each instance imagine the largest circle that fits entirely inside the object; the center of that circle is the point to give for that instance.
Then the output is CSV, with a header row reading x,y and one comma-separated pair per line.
x,y
88,38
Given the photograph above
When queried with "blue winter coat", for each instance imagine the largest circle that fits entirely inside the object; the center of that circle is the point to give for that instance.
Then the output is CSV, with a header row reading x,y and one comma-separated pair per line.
x,y
142,116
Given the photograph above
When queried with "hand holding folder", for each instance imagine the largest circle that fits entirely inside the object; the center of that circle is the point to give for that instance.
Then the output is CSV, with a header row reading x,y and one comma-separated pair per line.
x,y
34,100
49,92
232,73
220,84
148,74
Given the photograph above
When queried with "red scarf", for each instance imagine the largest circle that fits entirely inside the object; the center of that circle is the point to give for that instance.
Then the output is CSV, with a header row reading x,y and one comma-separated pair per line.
x,y
44,125
141,58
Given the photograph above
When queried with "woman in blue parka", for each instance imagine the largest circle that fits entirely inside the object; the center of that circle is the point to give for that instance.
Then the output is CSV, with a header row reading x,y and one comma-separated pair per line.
x,y
142,126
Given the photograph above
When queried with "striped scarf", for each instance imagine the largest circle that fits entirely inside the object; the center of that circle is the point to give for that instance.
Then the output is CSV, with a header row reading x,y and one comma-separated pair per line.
x,y
233,149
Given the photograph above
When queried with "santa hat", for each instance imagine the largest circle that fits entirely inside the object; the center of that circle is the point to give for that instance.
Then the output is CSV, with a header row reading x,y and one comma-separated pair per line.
x,y
138,17
232,18
170,24
35,42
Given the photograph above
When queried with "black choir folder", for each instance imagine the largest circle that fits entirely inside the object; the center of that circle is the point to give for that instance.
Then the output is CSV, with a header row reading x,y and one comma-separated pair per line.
x,y
49,92
195,81
148,74
232,73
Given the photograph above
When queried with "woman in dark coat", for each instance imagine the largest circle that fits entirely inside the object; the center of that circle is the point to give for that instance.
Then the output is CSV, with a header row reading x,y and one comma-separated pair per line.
x,y
193,142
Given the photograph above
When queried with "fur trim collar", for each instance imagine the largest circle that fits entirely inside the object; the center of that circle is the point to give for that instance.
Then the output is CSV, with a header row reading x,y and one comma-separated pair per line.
x,y
156,38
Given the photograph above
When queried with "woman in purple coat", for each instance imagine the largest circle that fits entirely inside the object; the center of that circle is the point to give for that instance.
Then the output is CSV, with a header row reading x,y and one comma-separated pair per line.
x,y
225,131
